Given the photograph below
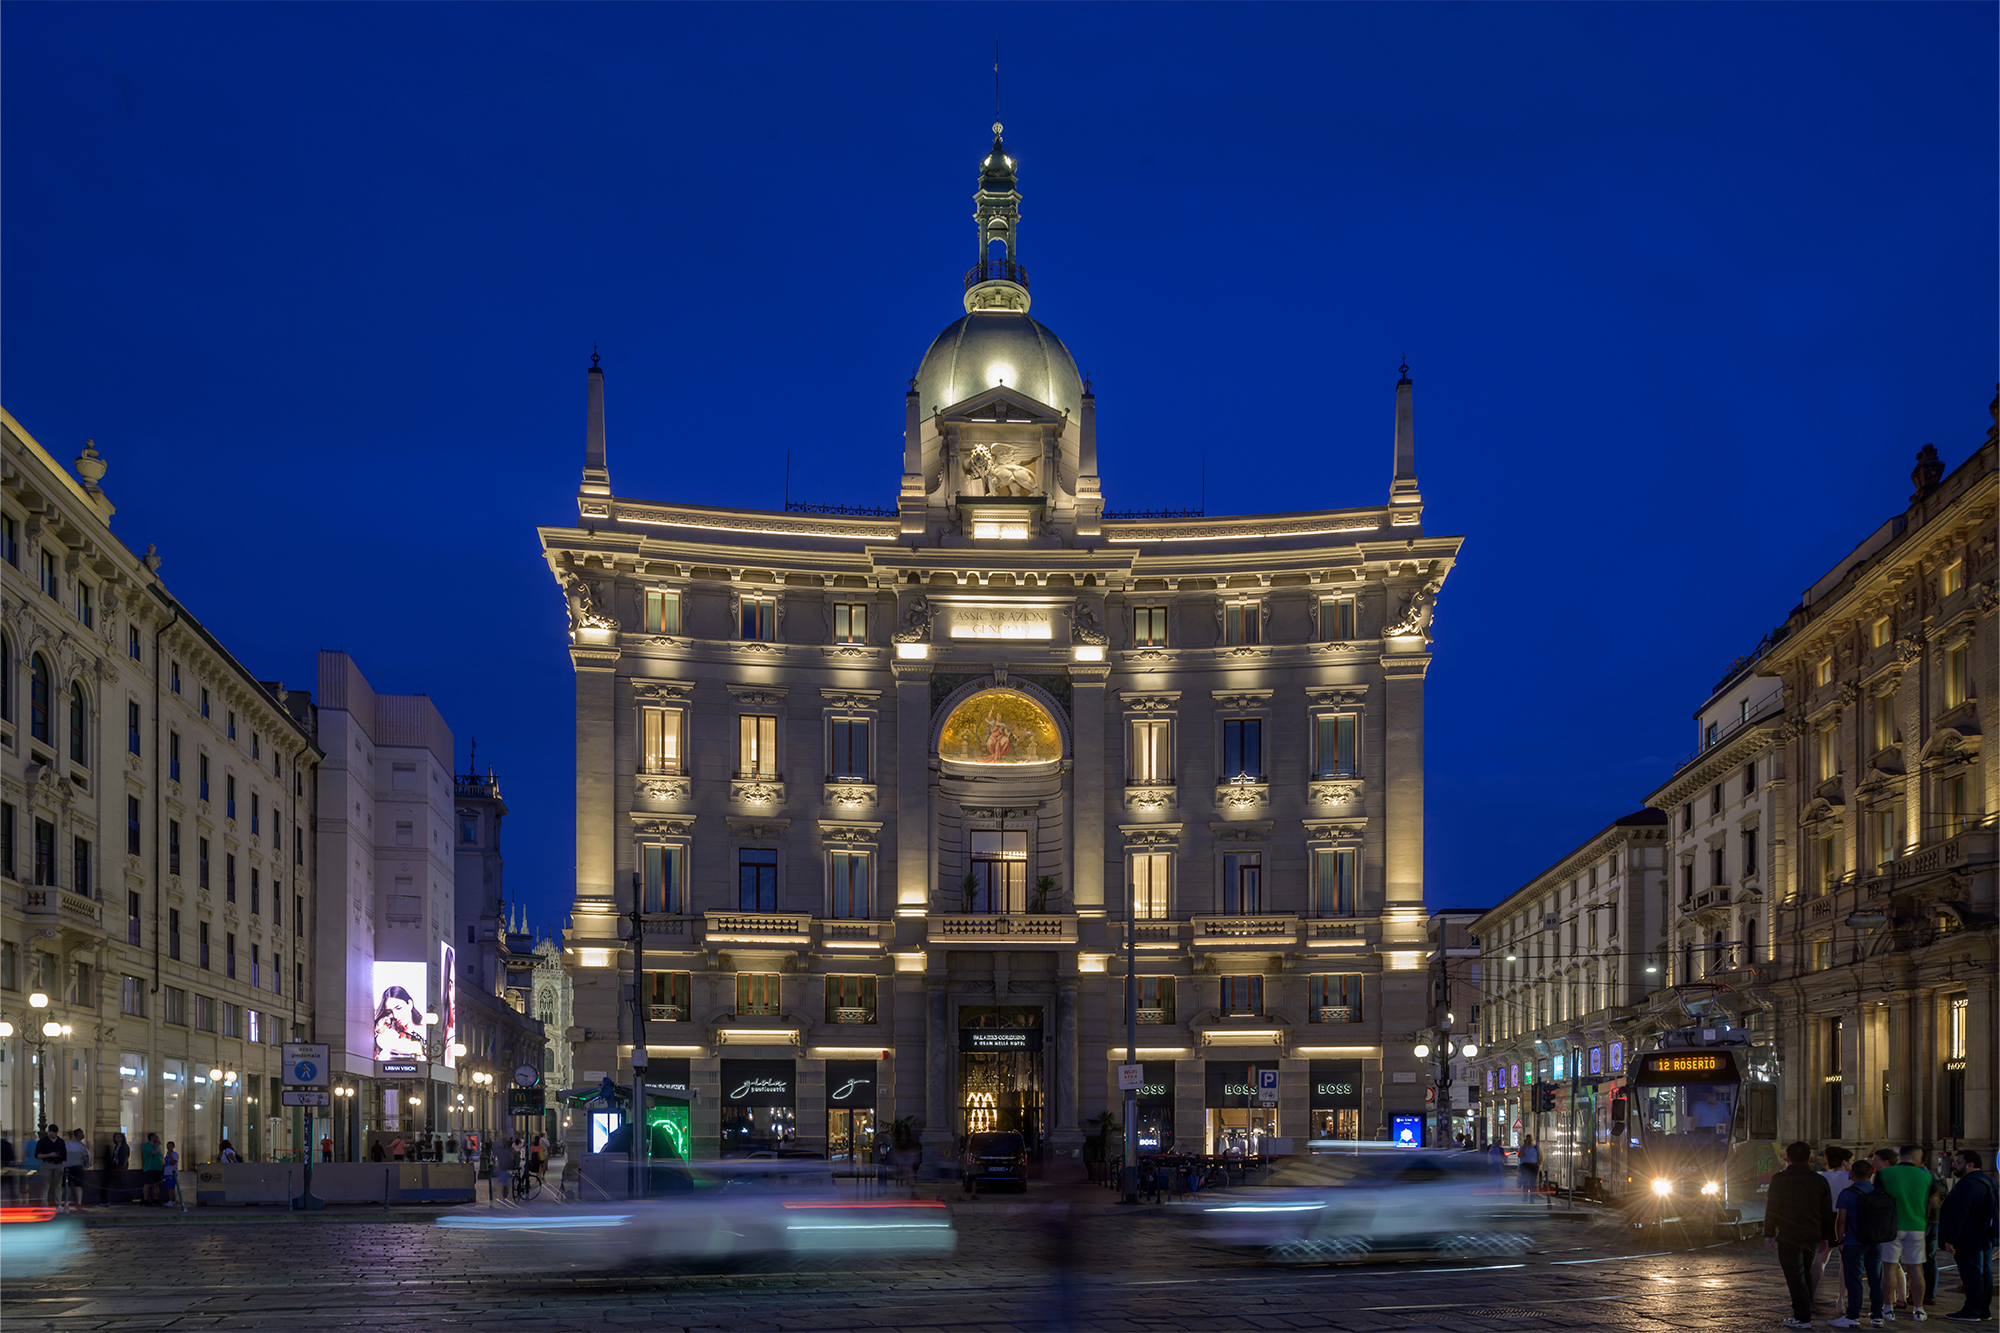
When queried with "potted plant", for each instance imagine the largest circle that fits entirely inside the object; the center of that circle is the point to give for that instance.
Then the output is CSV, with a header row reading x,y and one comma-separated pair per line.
x,y
1044,886
969,890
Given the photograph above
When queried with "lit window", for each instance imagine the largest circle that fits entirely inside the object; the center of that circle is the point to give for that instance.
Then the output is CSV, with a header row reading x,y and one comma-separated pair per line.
x,y
1826,754
1957,675
850,999
1336,619
757,993
757,745
1242,622
1953,578
661,740
1156,1000
1823,672
1149,627
847,748
1150,758
663,877
850,622
847,885
1334,745
1334,882
1149,885
760,618
1334,997
1878,632
663,613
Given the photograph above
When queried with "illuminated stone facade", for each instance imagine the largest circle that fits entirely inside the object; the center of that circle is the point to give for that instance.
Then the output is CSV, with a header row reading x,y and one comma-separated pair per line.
x,y
887,783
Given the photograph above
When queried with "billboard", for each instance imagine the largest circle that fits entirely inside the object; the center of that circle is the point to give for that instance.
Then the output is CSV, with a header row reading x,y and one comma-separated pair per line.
x,y
398,991
448,1001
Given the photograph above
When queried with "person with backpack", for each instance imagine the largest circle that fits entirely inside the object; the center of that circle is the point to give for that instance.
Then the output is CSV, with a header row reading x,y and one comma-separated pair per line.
x,y
1531,1163
1837,1179
1798,1224
1968,1226
1864,1219
1910,1185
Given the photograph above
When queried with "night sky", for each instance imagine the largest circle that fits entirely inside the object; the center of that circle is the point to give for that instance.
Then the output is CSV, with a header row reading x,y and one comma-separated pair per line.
x,y
1683,289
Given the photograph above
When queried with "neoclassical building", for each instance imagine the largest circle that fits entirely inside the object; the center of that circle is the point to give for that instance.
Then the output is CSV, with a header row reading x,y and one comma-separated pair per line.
x,y
157,802
886,787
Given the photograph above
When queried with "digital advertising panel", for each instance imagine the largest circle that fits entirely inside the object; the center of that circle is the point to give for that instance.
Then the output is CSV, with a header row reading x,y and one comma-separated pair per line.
x,y
448,1001
399,990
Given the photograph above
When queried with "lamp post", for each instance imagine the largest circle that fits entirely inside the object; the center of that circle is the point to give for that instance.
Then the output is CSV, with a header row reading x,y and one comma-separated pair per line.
x,y
39,1034
344,1095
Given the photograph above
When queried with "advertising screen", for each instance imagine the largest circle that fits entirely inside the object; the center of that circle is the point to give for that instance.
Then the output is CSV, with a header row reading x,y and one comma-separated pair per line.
x,y
1409,1130
398,991
448,1001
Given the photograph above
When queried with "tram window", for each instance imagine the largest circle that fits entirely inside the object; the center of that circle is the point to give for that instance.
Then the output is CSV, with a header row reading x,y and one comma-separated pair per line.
x,y
1760,1110
1698,1112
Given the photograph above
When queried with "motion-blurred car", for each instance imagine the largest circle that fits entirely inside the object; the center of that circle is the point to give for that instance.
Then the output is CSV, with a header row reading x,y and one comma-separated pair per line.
x,y
1388,1204
712,1214
36,1240
994,1158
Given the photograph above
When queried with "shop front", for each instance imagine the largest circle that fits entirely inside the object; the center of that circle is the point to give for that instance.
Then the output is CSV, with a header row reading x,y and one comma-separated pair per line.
x,y
1237,1126
759,1105
850,1110
1000,1071
1156,1108
1333,1100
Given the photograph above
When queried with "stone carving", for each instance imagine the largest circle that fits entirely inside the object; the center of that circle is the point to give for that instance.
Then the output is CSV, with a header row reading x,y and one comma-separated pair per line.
x,y
849,834
1334,793
1324,830
1083,626
762,698
1149,798
1163,835
1346,698
663,828
757,793
666,691
850,794
1134,532
1242,795
1006,469
862,699
584,611
663,788
1149,703
916,622
1415,617
997,812
1257,700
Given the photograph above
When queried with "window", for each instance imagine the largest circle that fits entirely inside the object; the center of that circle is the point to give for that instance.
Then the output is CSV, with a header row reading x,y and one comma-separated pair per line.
x,y
201,946
760,618
663,612
1242,996
850,622
256,967
251,1028
1334,745
86,608
1149,627
201,862
1715,800
1717,873
131,918
757,993
1957,1018
660,740
1687,817
850,999
256,897
1155,999
10,542
1825,755
81,880
1823,672
229,954
232,724
1149,885
298,847
1822,955
1826,855
1712,734
1955,799
41,700
1333,997
177,1005
996,870
80,991
45,853
277,972
468,828
79,727
229,795
847,748
1336,619
6,680
1748,839
204,701
1241,622
1953,578
757,880
847,880
7,866
256,820
173,756
1878,632
669,997
132,840
132,642
232,1021
1882,830
174,933
256,743
1749,778
1334,882
277,903
132,997
756,746
663,877
174,678
229,877
403,777
201,776
406,833
51,581
1243,750
1242,883
1957,675
1151,756
299,915
1882,713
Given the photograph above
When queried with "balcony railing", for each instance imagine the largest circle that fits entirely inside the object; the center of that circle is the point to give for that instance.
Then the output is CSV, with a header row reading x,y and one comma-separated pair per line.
x,y
995,270
977,927
62,906
1216,931
758,927
852,1016
666,1013
1154,1015
1337,1013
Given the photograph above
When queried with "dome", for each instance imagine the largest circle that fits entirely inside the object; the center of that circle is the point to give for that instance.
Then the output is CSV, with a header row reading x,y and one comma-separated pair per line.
x,y
987,347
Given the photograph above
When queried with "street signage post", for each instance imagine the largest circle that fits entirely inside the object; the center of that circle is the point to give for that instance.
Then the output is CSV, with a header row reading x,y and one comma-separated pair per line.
x,y
1131,1077
1267,1087
305,1081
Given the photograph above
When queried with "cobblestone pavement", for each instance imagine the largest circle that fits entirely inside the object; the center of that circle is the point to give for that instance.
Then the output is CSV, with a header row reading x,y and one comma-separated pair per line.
x,y
1040,1265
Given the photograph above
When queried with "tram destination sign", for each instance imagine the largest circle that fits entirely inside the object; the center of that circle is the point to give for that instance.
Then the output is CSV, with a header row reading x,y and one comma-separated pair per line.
x,y
1697,1067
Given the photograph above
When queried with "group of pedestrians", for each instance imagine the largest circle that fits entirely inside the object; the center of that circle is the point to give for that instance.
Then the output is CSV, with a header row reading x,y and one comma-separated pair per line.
x,y
1885,1216
424,1146
63,1159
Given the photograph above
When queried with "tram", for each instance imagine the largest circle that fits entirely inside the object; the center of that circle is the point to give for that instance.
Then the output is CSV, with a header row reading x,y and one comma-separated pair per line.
x,y
1693,1130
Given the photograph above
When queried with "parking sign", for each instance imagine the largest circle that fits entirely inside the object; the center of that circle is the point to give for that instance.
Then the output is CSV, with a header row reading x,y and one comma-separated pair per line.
x,y
1267,1087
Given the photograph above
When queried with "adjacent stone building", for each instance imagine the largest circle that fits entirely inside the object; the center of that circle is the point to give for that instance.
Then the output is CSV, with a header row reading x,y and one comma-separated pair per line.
x,y
156,806
885,786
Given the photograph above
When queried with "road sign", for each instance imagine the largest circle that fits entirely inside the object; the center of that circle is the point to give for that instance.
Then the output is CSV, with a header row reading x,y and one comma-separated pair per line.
x,y
305,1067
526,1101
307,1097
1131,1077
1267,1087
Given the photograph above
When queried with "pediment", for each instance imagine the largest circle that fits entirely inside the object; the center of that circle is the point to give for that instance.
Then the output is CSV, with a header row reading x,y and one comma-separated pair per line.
x,y
1950,743
1002,404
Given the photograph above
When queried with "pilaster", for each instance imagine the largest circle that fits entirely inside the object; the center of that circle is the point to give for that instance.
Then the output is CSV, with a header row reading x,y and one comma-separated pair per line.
x,y
1087,849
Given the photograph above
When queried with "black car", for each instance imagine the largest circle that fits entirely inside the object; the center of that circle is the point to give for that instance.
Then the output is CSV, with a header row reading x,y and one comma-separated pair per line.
x,y
995,1158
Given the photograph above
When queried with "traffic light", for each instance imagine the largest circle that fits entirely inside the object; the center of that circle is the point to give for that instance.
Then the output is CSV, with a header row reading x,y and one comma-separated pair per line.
x,y
1545,1097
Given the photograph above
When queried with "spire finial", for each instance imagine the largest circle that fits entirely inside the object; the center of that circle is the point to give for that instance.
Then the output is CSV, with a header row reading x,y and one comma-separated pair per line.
x,y
996,87
593,356
1404,369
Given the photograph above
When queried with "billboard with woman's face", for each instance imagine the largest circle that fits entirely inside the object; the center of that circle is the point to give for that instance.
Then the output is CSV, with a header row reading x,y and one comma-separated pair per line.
x,y
448,1002
399,990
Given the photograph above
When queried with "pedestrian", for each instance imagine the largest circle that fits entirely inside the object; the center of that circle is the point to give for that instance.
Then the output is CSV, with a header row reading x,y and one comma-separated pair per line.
x,y
1798,1224
451,1149
49,1154
538,1149
1968,1226
497,1183
118,1157
228,1152
1863,1215
1496,1159
1531,1163
326,1149
170,1177
152,1165
76,1161
1892,1270
1933,1204
1837,1179
375,1151
398,1150
1909,1185
6,1166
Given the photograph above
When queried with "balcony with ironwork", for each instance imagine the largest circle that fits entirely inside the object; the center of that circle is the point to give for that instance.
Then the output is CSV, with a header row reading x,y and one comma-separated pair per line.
x,y
1007,929
1264,930
996,270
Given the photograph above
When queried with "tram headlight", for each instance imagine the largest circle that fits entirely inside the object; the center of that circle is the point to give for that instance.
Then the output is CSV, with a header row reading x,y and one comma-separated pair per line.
x,y
1710,1189
1663,1187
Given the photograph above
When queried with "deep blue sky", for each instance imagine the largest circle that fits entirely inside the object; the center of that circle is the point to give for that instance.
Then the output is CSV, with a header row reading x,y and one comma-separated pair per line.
x,y
1683,287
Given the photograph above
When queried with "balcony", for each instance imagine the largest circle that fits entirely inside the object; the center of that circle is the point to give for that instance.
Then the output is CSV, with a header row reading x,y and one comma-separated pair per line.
x,y
786,929
1154,1016
850,1016
666,1013
1241,932
849,933
1337,1013
995,270
1152,935
71,913
980,928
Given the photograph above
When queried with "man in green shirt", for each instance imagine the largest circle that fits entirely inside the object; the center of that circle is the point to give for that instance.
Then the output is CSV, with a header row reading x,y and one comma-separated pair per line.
x,y
152,1167
1910,1186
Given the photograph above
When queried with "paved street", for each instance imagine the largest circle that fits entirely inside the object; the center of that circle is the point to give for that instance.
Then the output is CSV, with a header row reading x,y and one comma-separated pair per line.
x,y
1123,1272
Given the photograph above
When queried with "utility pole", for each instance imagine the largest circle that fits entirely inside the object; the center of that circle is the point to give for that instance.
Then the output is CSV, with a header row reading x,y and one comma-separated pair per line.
x,y
1131,1172
636,1165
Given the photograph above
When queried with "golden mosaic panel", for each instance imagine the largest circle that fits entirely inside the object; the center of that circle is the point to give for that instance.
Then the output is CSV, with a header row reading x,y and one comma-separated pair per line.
x,y
1000,726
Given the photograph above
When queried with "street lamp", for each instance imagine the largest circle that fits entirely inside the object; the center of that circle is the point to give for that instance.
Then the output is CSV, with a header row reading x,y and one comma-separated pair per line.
x,y
1422,1049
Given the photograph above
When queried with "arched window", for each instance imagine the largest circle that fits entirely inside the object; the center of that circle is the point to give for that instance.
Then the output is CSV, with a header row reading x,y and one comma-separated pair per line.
x,y
6,680
41,698
79,715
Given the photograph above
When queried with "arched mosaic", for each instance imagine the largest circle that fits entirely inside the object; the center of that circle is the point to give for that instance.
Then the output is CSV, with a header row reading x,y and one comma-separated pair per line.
x,y
1000,727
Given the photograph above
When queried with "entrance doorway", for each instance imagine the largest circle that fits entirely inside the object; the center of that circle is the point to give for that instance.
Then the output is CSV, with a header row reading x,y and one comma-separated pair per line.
x,y
850,1135
1000,1071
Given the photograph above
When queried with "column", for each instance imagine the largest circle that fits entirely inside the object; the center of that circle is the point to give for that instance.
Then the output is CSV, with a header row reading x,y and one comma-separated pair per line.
x,y
1067,1137
912,784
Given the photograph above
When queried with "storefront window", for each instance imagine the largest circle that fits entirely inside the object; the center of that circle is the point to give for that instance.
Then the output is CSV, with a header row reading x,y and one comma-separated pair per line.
x,y
1237,1126
1155,1108
850,1110
1000,1070
759,1105
173,1117
131,1097
1334,1099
